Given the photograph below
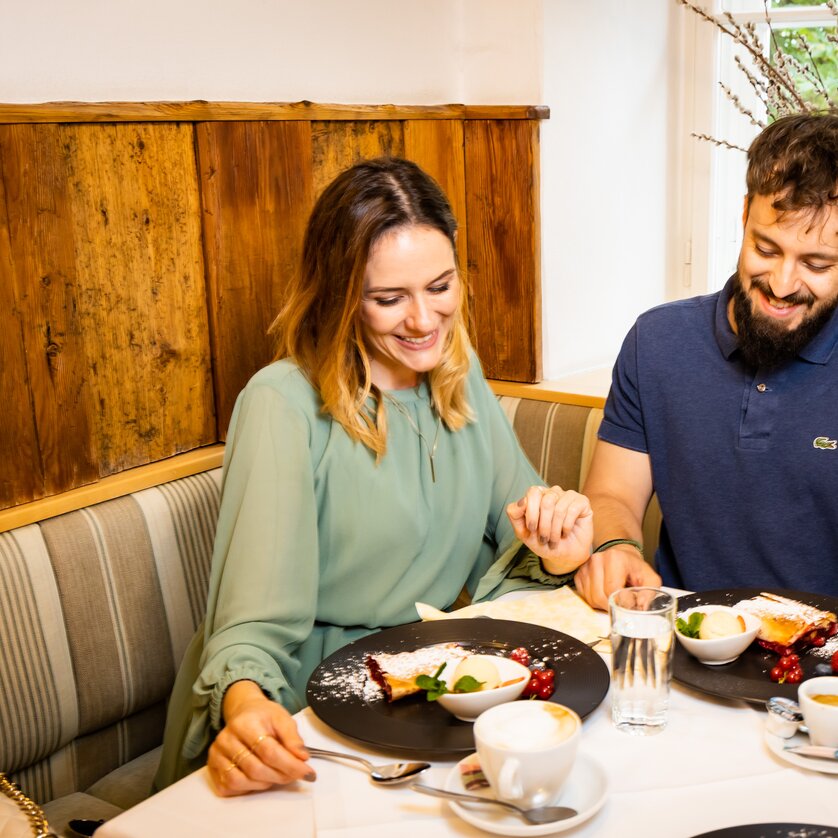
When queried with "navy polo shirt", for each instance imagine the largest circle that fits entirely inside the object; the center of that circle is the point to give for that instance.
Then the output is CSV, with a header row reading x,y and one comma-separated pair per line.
x,y
744,463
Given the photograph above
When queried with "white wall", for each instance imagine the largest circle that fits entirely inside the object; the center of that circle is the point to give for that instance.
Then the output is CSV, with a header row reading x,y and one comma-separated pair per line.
x,y
607,173
604,67
352,51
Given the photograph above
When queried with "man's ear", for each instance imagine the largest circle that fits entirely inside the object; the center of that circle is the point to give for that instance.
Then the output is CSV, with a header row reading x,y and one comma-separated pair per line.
x,y
745,207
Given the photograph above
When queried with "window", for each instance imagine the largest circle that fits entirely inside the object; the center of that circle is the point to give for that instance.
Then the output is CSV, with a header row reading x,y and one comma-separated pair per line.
x,y
803,34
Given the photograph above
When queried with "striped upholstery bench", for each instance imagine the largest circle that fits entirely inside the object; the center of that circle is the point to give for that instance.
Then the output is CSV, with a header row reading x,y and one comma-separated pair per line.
x,y
98,605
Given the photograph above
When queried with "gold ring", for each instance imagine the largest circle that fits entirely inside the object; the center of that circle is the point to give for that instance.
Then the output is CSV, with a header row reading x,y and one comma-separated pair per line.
x,y
235,760
229,768
258,740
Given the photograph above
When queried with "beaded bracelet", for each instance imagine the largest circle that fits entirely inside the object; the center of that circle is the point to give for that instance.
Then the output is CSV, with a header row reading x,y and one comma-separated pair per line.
x,y
606,545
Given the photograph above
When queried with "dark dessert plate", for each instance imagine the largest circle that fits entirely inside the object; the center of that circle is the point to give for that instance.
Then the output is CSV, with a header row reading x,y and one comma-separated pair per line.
x,y
339,693
747,678
773,830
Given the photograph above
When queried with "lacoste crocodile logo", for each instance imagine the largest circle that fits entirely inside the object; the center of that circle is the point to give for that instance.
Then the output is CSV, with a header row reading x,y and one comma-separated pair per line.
x,y
824,442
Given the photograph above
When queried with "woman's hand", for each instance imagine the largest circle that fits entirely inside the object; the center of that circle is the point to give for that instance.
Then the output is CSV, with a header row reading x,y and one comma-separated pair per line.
x,y
556,525
259,746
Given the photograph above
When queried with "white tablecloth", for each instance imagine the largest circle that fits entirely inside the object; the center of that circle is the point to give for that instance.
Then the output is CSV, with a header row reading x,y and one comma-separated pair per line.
x,y
710,768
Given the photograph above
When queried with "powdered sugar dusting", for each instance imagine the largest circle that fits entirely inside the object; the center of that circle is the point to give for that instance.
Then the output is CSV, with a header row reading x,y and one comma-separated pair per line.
x,y
348,681
407,665
782,608
827,650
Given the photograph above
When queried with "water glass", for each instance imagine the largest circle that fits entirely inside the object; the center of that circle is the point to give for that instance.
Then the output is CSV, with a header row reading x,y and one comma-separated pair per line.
x,y
642,645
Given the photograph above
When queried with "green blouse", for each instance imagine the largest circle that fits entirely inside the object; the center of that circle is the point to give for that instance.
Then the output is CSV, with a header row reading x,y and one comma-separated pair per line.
x,y
317,545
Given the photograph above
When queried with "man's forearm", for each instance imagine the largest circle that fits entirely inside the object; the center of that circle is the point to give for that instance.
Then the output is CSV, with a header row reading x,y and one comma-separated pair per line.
x,y
614,519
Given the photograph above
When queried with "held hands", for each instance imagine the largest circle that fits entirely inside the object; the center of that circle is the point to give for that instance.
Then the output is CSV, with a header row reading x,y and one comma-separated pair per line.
x,y
259,746
619,567
556,525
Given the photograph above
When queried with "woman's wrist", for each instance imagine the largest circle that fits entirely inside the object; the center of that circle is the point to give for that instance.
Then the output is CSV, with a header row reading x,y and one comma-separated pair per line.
x,y
238,693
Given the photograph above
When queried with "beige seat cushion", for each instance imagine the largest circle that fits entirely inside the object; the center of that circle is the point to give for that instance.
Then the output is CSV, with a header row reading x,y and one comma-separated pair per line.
x,y
130,783
122,788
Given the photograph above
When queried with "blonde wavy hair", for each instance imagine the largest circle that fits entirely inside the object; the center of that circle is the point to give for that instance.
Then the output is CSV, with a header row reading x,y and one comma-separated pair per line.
x,y
319,326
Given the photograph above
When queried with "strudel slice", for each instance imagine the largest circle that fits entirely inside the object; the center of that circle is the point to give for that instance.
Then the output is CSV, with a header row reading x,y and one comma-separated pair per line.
x,y
787,623
396,674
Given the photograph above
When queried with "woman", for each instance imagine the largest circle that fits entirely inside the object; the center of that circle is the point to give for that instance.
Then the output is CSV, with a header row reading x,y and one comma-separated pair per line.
x,y
370,469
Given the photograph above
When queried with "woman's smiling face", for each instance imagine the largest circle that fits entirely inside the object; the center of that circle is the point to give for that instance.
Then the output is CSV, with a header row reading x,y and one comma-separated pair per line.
x,y
411,298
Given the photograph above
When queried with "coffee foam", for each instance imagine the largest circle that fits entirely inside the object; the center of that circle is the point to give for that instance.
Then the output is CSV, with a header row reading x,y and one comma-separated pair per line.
x,y
527,726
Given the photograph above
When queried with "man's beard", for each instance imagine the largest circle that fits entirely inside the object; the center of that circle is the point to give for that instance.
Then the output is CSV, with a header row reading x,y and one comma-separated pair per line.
x,y
765,343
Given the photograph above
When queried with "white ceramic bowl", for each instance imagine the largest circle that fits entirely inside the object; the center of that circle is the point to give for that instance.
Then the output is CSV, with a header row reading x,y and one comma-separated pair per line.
x,y
821,719
721,649
468,706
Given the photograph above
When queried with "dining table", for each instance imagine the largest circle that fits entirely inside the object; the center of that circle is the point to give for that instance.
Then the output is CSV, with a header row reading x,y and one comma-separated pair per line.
x,y
711,768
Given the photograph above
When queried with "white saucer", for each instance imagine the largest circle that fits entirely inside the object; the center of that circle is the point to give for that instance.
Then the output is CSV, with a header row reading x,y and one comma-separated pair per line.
x,y
585,790
777,746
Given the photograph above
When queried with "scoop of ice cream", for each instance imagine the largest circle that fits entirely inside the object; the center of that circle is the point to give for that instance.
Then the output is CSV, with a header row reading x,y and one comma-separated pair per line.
x,y
721,624
480,669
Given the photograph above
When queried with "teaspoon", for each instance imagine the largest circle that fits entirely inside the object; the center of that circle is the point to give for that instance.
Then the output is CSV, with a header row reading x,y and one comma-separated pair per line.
x,y
538,815
390,774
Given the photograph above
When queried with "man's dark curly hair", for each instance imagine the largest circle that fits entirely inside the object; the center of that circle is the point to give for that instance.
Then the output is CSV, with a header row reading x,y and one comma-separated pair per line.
x,y
795,159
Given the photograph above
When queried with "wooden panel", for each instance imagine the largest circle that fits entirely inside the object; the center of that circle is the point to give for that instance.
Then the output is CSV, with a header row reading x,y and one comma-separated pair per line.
x,y
338,145
257,193
437,146
109,331
21,470
115,486
52,448
140,289
545,392
502,200
242,111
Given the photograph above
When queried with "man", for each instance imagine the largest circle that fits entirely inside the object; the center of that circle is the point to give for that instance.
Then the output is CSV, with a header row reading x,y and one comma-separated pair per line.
x,y
726,405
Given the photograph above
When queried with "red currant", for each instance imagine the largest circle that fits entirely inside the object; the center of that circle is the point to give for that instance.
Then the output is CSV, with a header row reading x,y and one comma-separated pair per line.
x,y
777,674
794,676
834,662
819,641
545,676
532,687
545,691
521,655
788,662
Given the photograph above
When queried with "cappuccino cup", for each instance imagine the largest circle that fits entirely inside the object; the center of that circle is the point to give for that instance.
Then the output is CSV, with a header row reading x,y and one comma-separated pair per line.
x,y
527,749
818,699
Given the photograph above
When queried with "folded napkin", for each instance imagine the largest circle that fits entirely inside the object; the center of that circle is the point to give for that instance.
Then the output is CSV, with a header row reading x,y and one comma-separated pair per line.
x,y
560,609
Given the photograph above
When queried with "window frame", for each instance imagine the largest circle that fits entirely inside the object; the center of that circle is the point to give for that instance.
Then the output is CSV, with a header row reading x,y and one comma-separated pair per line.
x,y
713,184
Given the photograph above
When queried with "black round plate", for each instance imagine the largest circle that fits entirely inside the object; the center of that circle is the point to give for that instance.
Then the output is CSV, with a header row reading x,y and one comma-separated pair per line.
x,y
747,677
420,727
772,830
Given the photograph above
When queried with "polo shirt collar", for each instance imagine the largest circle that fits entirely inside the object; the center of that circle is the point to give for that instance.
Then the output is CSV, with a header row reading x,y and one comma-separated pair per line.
x,y
817,351
820,348
725,336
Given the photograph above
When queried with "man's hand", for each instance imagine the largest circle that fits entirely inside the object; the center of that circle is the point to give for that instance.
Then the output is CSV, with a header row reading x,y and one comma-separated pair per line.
x,y
618,567
556,525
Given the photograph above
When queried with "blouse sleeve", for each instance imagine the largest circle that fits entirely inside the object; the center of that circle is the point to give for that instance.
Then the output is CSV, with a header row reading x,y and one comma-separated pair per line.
x,y
264,576
514,566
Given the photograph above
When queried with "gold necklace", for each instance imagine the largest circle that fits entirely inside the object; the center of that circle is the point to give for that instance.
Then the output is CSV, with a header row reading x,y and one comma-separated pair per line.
x,y
431,449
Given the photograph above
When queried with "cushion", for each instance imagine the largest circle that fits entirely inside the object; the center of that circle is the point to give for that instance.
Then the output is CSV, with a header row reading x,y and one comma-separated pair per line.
x,y
105,600
130,783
